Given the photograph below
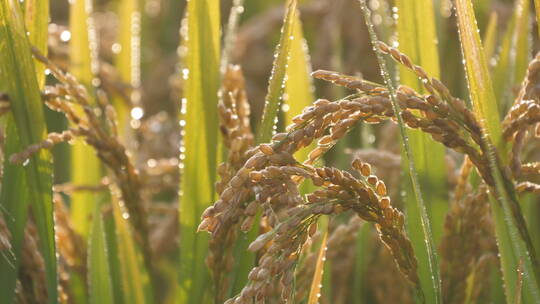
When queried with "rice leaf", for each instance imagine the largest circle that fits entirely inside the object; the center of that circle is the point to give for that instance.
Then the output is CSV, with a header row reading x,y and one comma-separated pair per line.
x,y
490,37
363,257
315,289
135,279
434,288
127,60
513,241
480,87
99,281
85,166
201,143
14,193
14,208
22,87
277,78
298,87
36,15
115,269
514,56
416,38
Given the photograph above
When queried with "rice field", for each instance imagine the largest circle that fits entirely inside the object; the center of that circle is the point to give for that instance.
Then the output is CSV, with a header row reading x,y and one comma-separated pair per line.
x,y
279,151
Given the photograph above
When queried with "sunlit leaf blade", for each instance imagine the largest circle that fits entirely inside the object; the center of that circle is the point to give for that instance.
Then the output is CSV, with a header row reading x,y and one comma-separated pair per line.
x,y
299,86
480,86
362,260
490,37
99,275
127,60
315,289
36,15
22,85
416,38
14,193
298,92
14,209
423,220
201,143
85,166
514,56
277,78
114,257
135,279
512,241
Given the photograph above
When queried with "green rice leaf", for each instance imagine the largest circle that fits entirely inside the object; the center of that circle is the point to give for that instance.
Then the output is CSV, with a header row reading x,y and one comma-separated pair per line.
x,y
201,142
14,208
36,15
22,86
480,86
513,241
514,57
115,269
363,257
99,275
416,38
490,37
277,78
136,284
434,289
127,60
85,166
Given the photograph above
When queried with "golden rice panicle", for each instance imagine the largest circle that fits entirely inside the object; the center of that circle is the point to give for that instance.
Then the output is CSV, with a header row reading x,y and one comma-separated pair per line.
x,y
92,126
467,246
234,114
525,111
52,139
350,82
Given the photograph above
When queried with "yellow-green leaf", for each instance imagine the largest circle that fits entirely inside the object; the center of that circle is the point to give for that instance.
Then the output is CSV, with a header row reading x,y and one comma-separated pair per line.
x,y
418,39
19,73
201,143
85,166
513,240
99,275
277,78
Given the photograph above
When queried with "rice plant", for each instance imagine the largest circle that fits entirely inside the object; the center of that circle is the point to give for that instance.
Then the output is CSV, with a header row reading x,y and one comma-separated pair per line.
x,y
315,151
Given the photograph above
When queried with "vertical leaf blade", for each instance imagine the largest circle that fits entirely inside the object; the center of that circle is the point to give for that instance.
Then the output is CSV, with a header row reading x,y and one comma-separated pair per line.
x,y
512,243
85,166
23,88
14,207
127,60
298,87
416,38
201,143
100,285
429,246
277,78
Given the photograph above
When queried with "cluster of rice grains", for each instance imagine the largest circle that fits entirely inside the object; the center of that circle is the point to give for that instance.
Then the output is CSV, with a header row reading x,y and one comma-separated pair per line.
x,y
266,178
269,178
94,121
